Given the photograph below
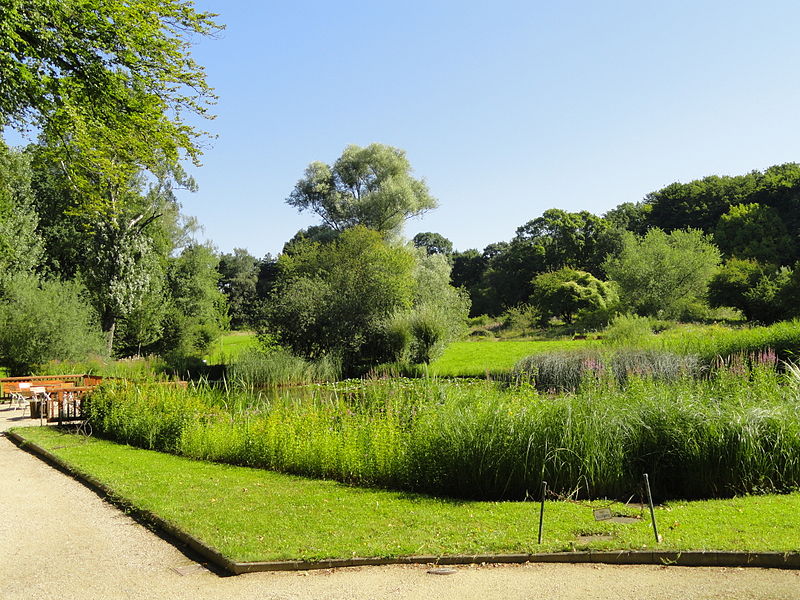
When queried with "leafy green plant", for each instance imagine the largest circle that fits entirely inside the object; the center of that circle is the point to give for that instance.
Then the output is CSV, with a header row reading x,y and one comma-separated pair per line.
x,y
42,321
254,369
628,330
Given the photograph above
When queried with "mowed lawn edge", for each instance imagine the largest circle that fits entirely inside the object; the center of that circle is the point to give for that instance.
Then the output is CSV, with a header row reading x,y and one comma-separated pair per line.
x,y
251,515
479,358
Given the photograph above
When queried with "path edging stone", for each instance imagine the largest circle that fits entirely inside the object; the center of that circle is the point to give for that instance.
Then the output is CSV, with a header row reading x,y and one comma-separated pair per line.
x,y
773,560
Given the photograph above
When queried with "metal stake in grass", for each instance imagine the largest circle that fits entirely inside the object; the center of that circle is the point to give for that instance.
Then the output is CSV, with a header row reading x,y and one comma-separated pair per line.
x,y
652,511
541,510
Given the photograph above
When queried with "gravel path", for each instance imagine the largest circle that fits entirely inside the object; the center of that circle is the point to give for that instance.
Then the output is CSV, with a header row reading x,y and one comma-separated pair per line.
x,y
59,540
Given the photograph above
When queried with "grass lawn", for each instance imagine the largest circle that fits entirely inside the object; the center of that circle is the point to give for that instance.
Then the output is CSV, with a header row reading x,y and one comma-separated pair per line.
x,y
229,346
254,515
476,358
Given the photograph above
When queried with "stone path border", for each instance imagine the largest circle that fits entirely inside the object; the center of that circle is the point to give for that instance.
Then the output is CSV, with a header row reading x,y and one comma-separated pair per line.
x,y
775,560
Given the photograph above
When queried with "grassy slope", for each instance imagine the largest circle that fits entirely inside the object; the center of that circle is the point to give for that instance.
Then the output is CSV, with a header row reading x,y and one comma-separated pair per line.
x,y
230,345
476,358
250,514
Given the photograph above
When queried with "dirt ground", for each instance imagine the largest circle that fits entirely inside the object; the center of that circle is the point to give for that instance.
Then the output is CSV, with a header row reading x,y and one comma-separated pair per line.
x,y
59,540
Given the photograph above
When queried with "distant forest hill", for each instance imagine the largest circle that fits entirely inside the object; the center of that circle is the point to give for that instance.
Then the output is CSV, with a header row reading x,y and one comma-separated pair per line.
x,y
753,219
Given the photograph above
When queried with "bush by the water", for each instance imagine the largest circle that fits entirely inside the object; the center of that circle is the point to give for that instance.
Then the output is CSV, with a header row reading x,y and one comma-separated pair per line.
x,y
43,320
718,436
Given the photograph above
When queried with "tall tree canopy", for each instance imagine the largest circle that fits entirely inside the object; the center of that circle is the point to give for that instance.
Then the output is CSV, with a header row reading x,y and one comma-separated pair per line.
x,y
112,79
662,274
434,243
369,186
737,210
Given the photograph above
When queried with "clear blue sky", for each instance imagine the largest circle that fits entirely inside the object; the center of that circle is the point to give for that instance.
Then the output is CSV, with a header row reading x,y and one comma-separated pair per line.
x,y
505,108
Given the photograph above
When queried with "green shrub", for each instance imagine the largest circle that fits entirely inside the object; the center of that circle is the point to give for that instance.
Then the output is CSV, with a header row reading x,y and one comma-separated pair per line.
x,y
430,335
480,321
42,321
628,330
521,319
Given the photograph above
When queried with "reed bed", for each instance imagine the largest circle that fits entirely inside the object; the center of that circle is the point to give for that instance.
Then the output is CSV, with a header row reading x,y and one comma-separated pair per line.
x,y
710,343
254,368
719,436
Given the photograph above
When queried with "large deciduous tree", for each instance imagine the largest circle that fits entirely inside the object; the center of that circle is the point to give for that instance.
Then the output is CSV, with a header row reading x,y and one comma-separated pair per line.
x,y
364,300
113,79
567,292
369,186
21,247
434,243
662,274
335,297
753,231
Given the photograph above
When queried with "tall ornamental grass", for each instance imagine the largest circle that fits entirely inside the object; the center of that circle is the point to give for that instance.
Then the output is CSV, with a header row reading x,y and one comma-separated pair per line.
x,y
712,437
254,368
568,370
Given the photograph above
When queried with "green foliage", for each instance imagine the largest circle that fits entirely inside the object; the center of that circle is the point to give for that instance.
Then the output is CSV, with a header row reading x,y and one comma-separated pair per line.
x,y
369,186
42,321
629,217
439,310
661,273
256,369
567,292
430,333
712,342
239,281
120,269
115,80
731,285
520,320
196,315
140,369
740,208
579,240
629,330
762,292
20,245
334,298
434,243
753,231
469,268
365,300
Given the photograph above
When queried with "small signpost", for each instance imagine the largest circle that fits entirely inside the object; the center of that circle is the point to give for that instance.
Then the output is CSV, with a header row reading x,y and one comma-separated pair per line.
x,y
602,514
541,510
652,511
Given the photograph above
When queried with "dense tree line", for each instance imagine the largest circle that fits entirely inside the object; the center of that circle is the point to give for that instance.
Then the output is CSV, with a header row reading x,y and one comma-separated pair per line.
x,y
752,221
126,280
88,220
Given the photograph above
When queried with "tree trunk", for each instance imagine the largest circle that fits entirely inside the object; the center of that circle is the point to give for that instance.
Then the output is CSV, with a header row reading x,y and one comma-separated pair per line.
x,y
109,324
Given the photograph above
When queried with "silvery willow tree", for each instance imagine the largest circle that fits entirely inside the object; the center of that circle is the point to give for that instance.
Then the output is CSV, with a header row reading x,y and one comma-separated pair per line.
x,y
352,288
